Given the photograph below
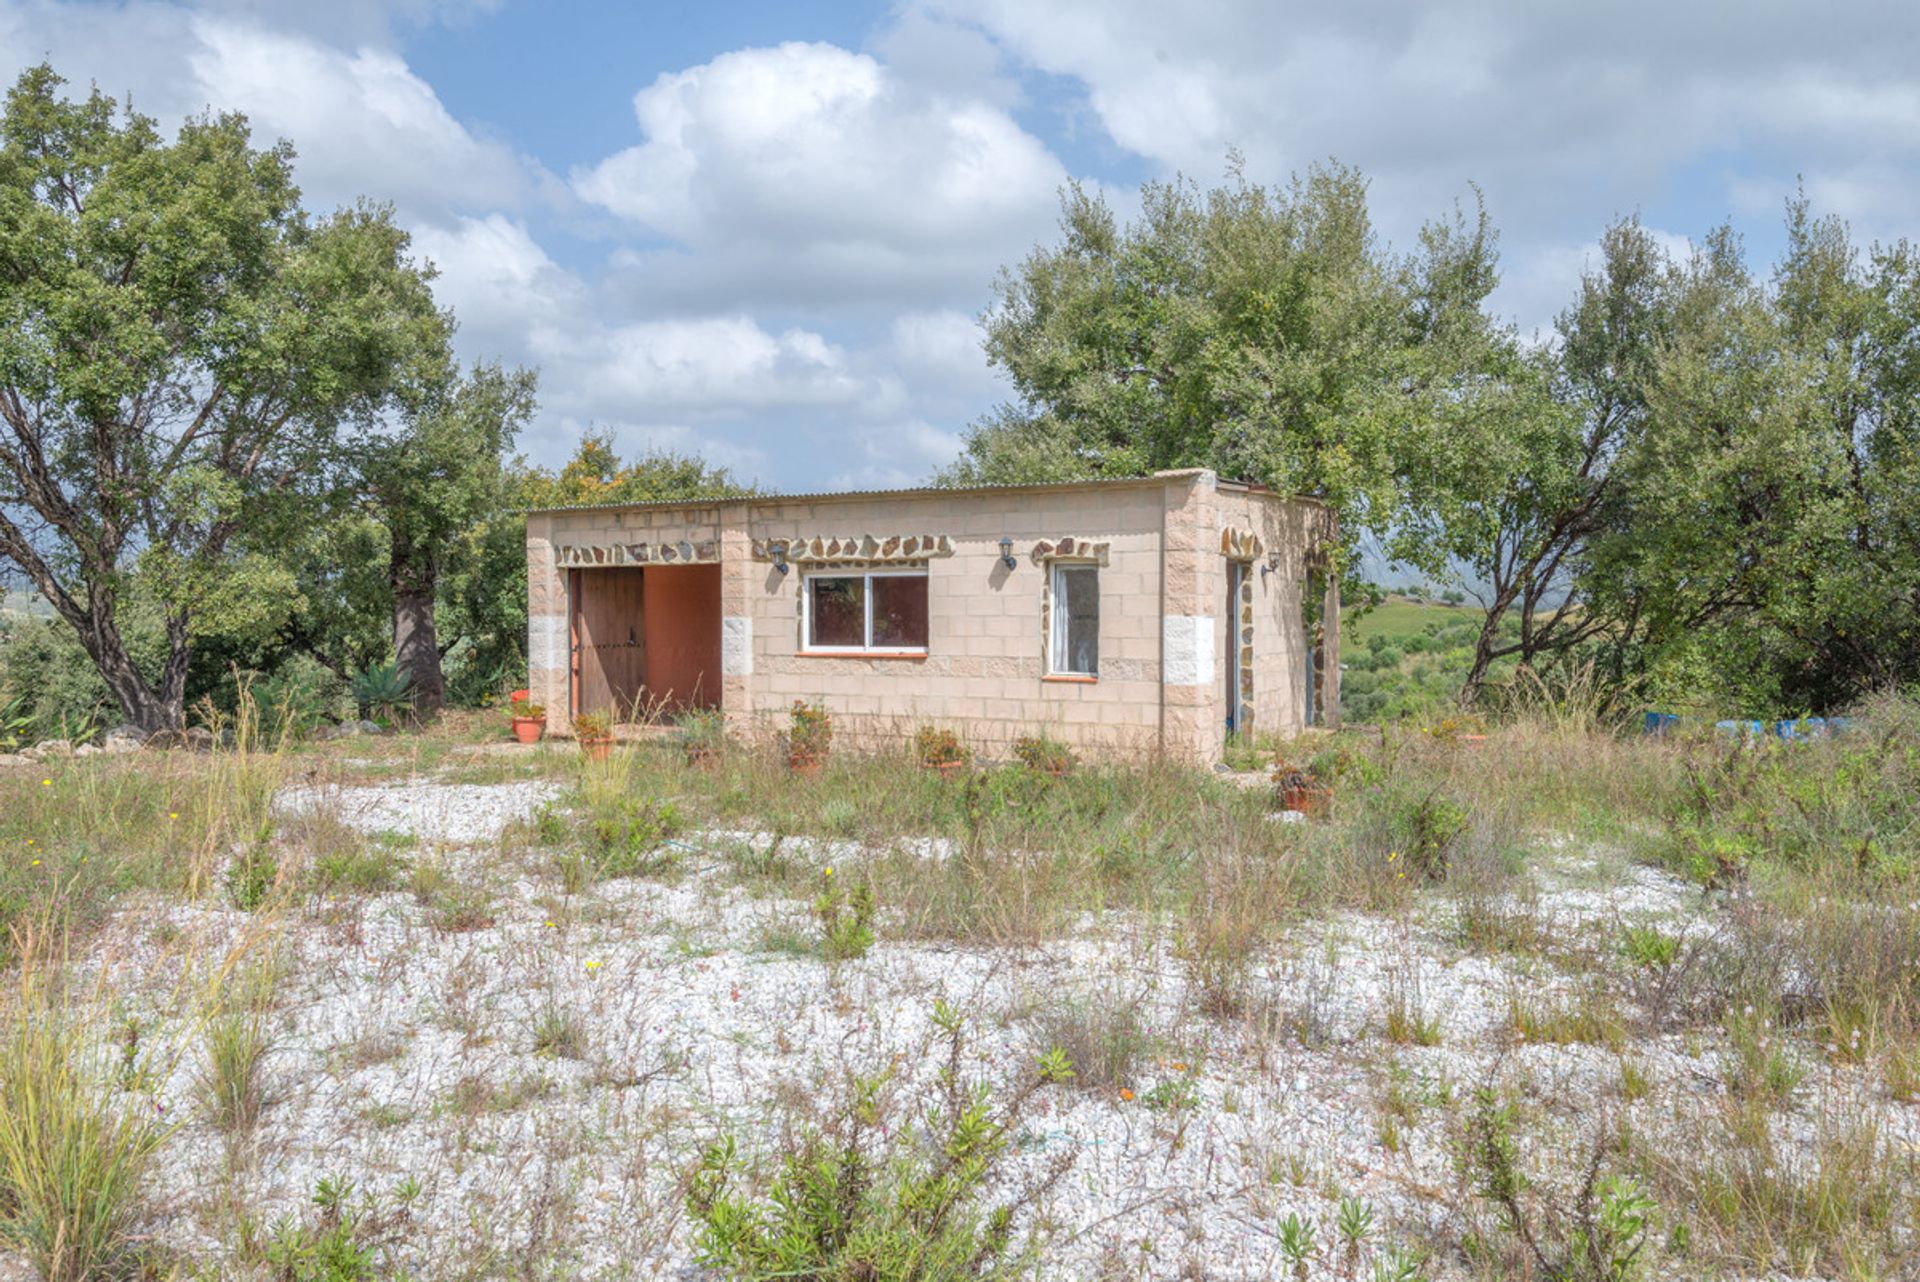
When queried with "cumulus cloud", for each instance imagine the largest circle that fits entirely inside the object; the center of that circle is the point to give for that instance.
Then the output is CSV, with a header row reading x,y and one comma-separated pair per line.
x,y
363,123
1565,116
809,171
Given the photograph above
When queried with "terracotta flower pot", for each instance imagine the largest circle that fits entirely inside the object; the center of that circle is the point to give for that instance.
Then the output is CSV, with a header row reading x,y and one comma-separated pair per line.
x,y
1309,801
529,729
596,749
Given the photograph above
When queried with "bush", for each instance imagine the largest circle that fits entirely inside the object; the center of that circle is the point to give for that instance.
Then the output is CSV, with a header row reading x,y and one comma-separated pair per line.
x,y
860,1198
846,918
625,837
72,1162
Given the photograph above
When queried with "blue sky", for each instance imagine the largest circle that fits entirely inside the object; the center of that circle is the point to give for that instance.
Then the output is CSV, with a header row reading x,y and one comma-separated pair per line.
x,y
763,232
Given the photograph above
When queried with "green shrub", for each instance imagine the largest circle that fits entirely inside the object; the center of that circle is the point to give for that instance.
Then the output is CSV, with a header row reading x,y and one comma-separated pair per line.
x,y
858,1197
250,879
341,1242
73,1161
846,918
625,837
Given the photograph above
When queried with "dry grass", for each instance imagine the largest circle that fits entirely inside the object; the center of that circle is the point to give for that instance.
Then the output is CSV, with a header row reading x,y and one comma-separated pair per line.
x,y
1796,979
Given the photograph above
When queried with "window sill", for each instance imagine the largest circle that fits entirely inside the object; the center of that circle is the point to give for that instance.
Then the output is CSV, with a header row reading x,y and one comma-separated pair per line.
x,y
1071,678
860,654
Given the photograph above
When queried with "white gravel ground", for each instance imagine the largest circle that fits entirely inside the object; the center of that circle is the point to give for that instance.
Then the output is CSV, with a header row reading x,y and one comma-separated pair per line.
x,y
386,1028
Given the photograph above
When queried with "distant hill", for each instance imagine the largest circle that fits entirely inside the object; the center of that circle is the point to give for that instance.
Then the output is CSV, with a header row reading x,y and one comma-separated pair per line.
x,y
23,604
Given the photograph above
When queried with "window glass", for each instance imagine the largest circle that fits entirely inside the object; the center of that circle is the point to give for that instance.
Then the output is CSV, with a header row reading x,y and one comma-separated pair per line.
x,y
899,611
1076,620
838,611
867,611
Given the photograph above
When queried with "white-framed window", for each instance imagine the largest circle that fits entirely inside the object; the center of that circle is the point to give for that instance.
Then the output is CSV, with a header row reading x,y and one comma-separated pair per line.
x,y
856,611
1073,605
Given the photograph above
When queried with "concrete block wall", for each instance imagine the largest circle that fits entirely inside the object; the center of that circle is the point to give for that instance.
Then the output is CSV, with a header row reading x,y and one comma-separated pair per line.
x,y
1163,624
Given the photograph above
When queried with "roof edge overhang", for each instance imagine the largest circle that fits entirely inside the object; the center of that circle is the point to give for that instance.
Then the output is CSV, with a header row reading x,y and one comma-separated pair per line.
x,y
921,491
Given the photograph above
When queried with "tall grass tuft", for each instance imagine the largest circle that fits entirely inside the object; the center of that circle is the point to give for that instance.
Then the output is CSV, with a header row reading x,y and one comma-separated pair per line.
x,y
73,1159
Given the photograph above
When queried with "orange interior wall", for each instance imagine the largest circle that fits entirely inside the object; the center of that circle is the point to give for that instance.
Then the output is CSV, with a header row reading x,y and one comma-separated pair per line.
x,y
681,606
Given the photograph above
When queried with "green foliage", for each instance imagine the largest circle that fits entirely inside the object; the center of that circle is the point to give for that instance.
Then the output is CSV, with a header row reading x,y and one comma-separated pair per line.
x,y
845,917
74,1159
624,837
384,693
252,876
174,320
934,746
1044,754
855,1197
340,1242
1422,828
1596,1237
1261,331
809,730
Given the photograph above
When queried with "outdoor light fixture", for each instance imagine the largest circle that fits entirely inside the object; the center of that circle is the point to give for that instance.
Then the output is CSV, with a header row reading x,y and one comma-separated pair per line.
x,y
1273,563
1006,553
780,558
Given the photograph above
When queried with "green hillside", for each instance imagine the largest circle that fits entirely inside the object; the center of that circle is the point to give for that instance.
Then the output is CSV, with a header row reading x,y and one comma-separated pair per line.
x,y
1405,657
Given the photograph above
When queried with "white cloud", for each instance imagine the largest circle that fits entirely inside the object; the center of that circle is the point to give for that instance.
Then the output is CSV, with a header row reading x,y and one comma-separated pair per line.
x,y
362,122
1565,115
810,171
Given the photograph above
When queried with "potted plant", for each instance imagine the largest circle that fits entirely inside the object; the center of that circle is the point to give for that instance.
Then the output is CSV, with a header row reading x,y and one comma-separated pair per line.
x,y
702,734
595,732
529,720
809,735
1046,756
939,751
1301,790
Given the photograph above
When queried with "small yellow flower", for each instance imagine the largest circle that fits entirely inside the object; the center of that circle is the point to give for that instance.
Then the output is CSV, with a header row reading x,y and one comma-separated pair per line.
x,y
593,965
173,814
36,863
46,783
829,872
550,926
1178,1067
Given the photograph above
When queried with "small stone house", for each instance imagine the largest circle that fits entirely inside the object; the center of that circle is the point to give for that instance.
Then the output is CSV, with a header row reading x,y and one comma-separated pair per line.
x,y
1124,617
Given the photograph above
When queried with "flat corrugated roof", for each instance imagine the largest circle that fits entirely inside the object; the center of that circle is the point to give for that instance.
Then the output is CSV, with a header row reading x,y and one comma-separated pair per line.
x,y
920,491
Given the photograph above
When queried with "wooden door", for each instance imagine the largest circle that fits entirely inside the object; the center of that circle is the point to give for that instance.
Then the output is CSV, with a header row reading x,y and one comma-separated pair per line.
x,y
609,640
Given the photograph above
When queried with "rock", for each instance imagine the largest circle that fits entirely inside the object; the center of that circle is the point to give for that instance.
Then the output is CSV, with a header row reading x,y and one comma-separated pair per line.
x,y
86,750
49,748
371,727
345,730
124,739
14,759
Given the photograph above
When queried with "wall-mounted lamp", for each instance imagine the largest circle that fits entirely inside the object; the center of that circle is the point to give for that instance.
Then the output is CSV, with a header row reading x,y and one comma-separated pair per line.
x,y
1272,563
1006,553
780,558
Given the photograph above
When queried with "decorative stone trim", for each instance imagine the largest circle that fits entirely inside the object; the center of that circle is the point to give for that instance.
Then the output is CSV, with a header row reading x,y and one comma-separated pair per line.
x,y
684,552
1240,545
1067,546
1244,639
888,549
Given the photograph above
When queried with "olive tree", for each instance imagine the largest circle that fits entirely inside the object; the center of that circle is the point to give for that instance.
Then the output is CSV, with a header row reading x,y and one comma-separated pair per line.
x,y
181,345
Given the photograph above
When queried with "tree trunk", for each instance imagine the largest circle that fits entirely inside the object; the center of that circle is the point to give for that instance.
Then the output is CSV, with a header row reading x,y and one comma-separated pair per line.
x,y
148,710
416,643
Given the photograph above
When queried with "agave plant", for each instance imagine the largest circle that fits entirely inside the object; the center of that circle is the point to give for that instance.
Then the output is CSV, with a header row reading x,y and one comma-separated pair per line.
x,y
16,724
384,692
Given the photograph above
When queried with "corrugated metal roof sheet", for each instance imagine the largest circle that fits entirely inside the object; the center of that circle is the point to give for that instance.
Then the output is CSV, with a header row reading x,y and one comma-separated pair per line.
x,y
919,491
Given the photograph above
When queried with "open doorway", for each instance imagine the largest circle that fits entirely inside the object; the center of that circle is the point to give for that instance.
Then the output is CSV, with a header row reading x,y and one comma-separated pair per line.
x,y
646,640
1239,642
